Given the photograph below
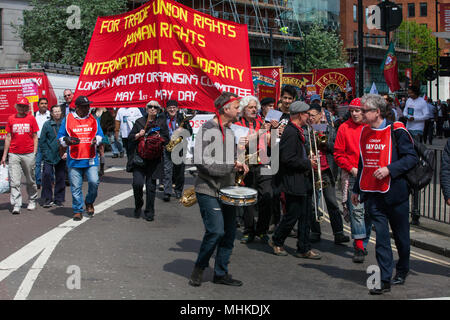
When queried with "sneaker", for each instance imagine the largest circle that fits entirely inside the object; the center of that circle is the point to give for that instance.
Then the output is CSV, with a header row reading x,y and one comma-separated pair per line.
x,y
247,238
161,187
308,255
47,204
16,210
358,256
341,238
77,216
31,206
227,280
278,251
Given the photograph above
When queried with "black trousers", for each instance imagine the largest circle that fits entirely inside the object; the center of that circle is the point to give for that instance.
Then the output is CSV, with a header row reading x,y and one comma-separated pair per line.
x,y
143,176
428,131
263,184
440,127
329,193
298,209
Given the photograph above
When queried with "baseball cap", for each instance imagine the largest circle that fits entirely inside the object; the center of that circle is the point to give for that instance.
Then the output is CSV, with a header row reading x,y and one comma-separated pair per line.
x,y
315,97
82,101
23,101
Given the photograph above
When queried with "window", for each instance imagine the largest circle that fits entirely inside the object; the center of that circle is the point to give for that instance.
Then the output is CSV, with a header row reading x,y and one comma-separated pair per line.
x,y
411,10
355,38
423,9
1,27
355,13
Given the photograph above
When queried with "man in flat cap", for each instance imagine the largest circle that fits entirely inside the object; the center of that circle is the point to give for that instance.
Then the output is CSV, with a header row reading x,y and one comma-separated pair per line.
x,y
82,133
294,179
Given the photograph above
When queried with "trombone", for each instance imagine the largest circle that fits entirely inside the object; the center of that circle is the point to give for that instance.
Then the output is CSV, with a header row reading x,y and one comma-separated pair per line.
x,y
316,184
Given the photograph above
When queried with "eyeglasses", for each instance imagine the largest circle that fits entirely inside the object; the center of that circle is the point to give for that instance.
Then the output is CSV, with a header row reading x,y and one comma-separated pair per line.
x,y
67,95
152,107
313,115
367,110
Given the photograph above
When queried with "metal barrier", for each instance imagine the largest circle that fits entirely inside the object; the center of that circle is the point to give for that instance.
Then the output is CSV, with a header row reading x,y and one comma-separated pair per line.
x,y
431,202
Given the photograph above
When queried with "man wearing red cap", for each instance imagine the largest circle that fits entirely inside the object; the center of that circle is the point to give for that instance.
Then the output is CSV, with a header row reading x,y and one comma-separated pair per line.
x,y
21,142
346,155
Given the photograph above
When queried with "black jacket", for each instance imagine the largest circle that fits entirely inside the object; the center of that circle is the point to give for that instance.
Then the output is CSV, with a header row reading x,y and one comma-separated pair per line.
x,y
445,171
294,176
179,119
404,158
153,166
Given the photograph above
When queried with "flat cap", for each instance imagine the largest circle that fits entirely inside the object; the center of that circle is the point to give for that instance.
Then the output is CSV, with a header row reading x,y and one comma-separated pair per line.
x,y
298,106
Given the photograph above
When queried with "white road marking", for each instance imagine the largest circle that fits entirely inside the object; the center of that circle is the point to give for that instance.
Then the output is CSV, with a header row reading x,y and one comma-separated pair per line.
x,y
44,245
112,169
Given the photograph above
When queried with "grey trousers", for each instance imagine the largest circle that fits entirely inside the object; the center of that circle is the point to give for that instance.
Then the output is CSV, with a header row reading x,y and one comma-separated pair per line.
x,y
19,163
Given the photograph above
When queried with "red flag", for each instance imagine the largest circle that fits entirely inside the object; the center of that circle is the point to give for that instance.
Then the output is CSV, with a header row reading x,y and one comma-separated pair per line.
x,y
390,69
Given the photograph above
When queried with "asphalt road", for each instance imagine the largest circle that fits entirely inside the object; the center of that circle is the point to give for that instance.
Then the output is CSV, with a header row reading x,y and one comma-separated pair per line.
x,y
120,257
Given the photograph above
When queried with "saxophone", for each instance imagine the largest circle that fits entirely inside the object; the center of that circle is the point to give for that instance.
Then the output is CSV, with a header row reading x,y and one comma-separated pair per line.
x,y
175,139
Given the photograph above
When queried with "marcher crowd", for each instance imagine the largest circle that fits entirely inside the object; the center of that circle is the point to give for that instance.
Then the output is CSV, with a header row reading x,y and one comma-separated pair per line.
x,y
325,147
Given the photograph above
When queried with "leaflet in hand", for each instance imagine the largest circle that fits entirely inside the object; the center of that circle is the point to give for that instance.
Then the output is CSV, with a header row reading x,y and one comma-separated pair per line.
x,y
239,131
273,115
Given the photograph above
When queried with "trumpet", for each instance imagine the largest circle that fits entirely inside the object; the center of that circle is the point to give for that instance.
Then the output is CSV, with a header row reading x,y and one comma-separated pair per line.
x,y
175,139
248,159
188,198
317,184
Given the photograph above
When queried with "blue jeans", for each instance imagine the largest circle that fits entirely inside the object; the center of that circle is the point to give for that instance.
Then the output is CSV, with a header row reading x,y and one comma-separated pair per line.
x,y
360,222
38,170
76,184
220,231
397,217
116,145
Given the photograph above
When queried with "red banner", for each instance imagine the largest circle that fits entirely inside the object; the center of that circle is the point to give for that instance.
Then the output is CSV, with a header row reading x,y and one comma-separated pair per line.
x,y
164,50
300,81
267,82
444,9
331,81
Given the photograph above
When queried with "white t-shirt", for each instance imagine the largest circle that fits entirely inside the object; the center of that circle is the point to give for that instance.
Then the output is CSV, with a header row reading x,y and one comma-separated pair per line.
x,y
41,119
418,109
127,118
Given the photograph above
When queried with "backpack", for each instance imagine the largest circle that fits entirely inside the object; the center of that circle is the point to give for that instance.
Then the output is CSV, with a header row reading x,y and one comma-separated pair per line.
x,y
419,176
150,146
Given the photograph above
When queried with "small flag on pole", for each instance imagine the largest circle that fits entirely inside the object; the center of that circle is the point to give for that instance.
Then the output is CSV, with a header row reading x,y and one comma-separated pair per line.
x,y
390,69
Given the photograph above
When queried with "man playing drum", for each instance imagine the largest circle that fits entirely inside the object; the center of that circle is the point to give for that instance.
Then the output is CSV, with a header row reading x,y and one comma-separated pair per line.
x,y
216,171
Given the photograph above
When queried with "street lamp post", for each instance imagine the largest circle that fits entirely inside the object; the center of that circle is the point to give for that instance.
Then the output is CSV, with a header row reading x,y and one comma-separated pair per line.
x,y
360,50
437,52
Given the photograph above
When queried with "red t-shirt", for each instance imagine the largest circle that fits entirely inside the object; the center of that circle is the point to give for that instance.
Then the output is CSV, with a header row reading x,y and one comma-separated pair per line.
x,y
22,130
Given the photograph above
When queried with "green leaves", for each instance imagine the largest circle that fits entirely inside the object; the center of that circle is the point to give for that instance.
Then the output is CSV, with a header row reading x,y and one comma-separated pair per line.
x,y
324,49
417,38
45,33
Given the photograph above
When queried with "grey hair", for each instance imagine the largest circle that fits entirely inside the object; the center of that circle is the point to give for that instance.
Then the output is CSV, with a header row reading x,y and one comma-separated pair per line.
x,y
153,103
246,100
375,101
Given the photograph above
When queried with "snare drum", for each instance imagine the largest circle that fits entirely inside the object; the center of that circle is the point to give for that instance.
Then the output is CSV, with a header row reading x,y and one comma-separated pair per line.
x,y
238,196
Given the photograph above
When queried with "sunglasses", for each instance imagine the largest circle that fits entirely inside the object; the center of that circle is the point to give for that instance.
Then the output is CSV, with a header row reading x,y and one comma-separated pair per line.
x,y
152,107
67,95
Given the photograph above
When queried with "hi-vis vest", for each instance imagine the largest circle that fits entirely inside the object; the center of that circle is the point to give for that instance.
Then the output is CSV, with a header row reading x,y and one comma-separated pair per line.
x,y
85,130
376,151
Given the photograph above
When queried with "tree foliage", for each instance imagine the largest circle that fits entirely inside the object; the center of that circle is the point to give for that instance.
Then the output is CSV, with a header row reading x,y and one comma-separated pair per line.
x,y
46,36
417,38
324,49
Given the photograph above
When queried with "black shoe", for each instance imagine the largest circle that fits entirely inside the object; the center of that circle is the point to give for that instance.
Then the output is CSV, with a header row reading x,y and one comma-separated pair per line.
x,y
196,277
227,280
314,237
58,203
137,213
115,155
149,216
358,256
38,186
67,182
415,221
178,195
399,279
47,204
166,197
161,187
385,287
341,238
121,154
